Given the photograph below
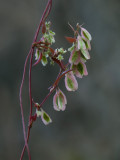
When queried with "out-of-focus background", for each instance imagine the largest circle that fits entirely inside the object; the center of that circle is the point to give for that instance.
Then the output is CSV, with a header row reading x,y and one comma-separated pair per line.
x,y
89,129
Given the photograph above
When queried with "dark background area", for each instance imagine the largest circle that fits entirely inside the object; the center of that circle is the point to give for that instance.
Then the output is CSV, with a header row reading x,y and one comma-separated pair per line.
x,y
89,128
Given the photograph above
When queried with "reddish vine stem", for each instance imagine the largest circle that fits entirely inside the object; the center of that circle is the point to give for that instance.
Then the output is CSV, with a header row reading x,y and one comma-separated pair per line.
x,y
48,8
60,76
23,122
55,85
30,94
47,96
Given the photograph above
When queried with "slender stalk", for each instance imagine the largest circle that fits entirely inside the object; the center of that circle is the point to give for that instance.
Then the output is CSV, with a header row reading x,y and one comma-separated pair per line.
x,y
48,8
22,154
30,93
47,96
60,76
21,106
55,85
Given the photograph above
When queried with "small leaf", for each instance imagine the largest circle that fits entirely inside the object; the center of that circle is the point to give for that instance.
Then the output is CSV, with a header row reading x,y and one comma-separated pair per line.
x,y
83,59
80,68
80,43
45,117
74,57
85,53
71,82
44,61
71,48
70,39
62,100
59,100
55,102
39,59
85,34
75,71
87,44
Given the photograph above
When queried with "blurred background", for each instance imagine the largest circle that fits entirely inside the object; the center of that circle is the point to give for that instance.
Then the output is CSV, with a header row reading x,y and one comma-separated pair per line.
x,y
89,128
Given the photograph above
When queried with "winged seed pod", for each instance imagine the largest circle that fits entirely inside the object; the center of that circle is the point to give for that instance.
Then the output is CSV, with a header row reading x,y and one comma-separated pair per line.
x,y
74,57
44,116
80,43
59,100
71,82
80,69
85,34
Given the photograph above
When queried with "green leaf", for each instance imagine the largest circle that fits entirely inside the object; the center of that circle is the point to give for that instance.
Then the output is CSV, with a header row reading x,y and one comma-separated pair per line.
x,y
73,67
75,56
70,83
87,44
60,99
44,60
45,118
85,53
71,48
80,68
86,34
82,44
57,101
83,58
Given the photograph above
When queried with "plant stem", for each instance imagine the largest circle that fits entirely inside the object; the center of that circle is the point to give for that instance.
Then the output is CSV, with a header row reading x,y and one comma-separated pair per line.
x,y
21,106
55,85
30,93
47,10
47,96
